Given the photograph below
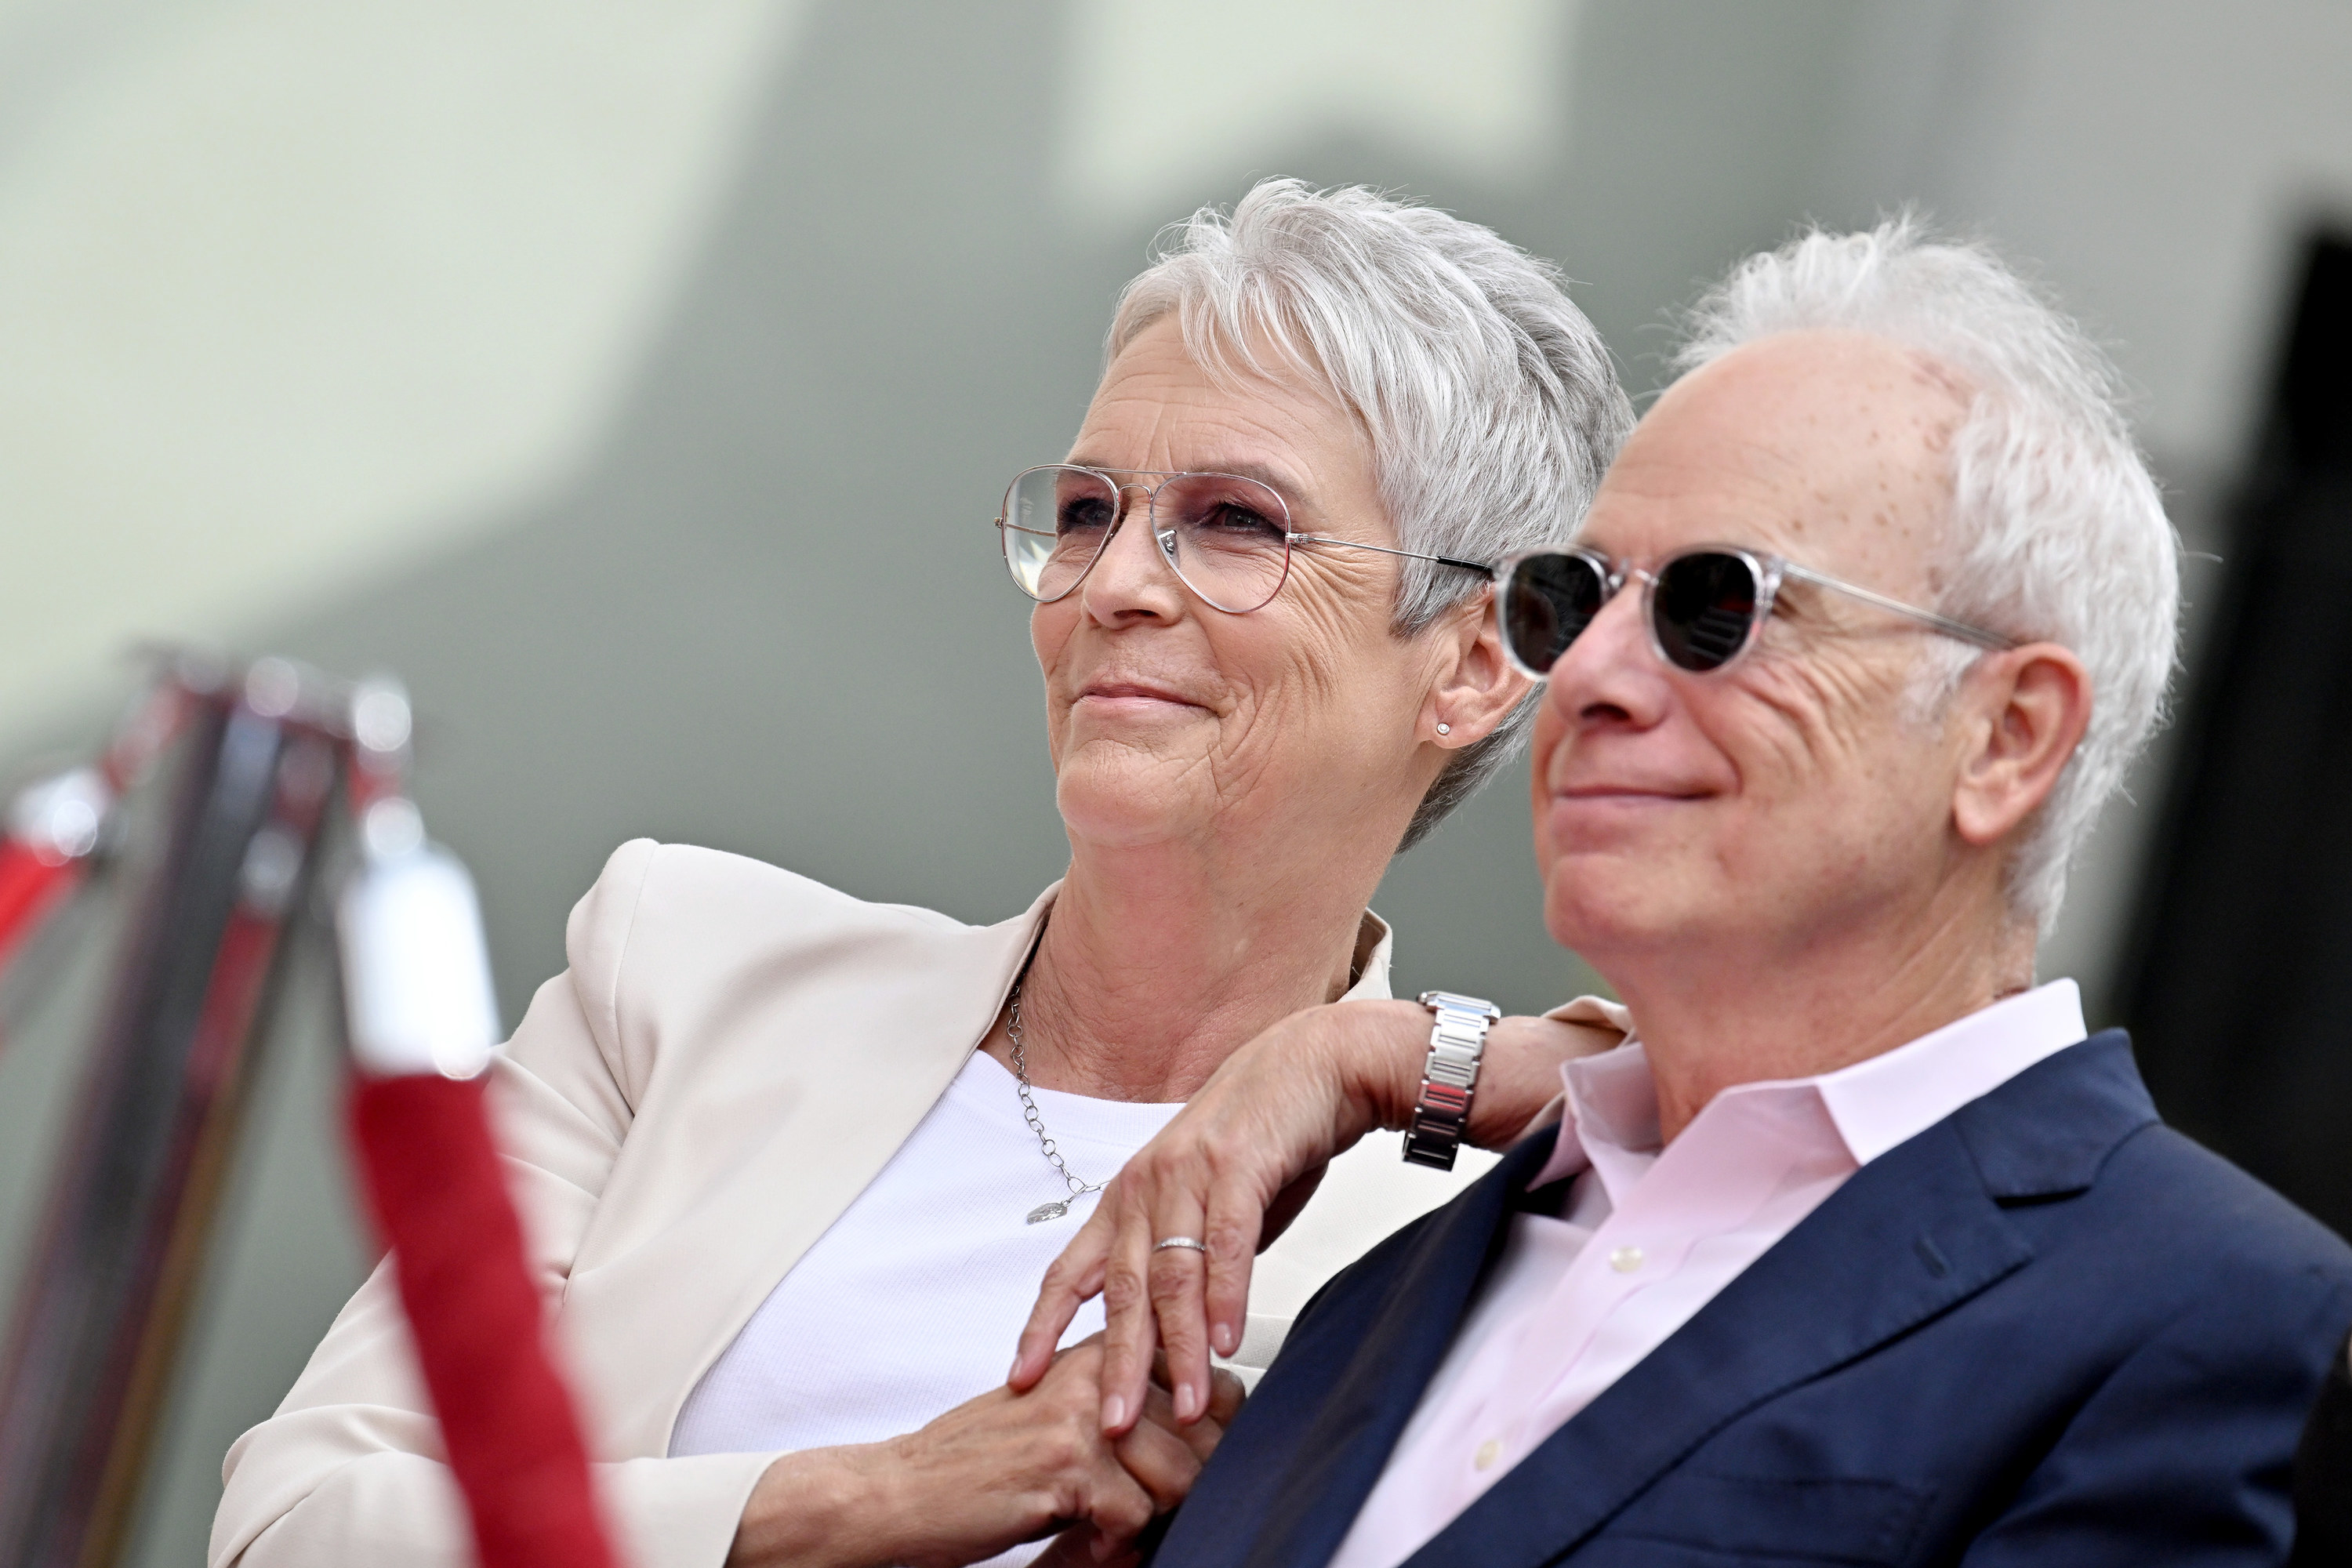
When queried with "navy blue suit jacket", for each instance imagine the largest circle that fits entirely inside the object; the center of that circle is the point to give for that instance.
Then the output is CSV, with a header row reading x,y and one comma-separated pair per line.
x,y
2048,1329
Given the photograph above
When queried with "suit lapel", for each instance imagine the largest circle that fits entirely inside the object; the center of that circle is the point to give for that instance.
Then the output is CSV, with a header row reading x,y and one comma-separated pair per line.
x,y
1323,1422
1909,1237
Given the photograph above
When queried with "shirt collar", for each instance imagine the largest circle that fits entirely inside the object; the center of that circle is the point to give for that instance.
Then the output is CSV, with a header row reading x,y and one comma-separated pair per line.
x,y
1891,1098
1874,1104
1374,944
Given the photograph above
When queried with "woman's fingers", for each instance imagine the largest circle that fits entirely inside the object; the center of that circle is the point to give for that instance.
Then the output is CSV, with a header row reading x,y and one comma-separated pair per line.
x,y
1176,1282
1084,1546
1071,1280
1254,1139
1200,1297
1120,1504
1162,1462
1225,1397
1234,1225
1134,1275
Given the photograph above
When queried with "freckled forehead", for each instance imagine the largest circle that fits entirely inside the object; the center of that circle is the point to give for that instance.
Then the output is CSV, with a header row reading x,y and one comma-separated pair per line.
x,y
1833,449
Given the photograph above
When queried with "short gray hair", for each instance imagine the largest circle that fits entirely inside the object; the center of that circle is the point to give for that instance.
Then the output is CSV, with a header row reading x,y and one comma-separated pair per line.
x,y
2057,531
1491,403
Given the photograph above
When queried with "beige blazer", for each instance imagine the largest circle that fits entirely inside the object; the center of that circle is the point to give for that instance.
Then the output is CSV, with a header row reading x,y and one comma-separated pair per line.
x,y
732,1055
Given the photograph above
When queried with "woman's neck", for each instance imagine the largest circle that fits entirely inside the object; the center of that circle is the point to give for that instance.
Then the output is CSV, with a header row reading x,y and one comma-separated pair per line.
x,y
1158,964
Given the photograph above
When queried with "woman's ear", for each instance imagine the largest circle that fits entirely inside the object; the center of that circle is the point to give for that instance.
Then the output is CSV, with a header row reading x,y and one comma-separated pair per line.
x,y
1477,686
2026,711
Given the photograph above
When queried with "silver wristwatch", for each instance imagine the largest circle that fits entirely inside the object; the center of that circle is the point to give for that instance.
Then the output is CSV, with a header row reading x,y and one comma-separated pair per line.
x,y
1442,1113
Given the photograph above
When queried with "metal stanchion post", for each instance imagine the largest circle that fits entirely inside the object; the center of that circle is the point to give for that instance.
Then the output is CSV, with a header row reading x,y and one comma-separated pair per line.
x,y
131,1203
98,1323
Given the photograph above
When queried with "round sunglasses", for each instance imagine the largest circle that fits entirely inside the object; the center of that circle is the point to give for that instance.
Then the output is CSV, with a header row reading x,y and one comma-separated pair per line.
x,y
1704,607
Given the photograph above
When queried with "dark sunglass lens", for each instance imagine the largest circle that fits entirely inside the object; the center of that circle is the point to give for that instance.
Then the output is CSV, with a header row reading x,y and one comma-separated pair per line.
x,y
1703,609
1547,602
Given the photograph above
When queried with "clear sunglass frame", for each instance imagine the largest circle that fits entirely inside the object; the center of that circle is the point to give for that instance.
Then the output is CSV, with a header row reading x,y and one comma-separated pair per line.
x,y
1768,570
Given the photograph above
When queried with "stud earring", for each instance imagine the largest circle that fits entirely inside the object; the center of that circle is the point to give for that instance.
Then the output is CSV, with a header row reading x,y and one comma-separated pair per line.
x,y
1443,729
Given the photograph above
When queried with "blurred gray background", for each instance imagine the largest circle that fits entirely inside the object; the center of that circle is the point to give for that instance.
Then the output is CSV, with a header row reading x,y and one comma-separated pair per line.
x,y
637,380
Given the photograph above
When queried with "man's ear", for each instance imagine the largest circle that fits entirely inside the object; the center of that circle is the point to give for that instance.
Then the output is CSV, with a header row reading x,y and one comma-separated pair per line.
x,y
1477,687
2025,713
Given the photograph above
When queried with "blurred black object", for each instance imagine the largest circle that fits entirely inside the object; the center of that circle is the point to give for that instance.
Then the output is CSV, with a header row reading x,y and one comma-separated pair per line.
x,y
2240,1000
2323,1476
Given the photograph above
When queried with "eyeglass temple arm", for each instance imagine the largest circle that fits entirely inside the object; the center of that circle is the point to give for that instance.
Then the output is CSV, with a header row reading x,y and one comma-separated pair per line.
x,y
1943,624
1481,568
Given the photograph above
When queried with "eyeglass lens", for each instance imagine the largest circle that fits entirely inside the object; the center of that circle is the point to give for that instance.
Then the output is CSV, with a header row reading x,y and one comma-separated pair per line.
x,y
1702,607
1546,605
1227,537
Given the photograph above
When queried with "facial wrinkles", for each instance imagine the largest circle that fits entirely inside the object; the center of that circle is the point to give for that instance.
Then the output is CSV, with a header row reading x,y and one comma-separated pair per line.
x,y
1311,642
1077,650
1824,709
1847,474
1334,595
1811,717
1837,674
1326,619
1284,669
1136,652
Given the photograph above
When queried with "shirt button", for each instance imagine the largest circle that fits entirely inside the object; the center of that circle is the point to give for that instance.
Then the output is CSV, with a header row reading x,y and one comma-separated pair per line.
x,y
1488,1452
1625,1260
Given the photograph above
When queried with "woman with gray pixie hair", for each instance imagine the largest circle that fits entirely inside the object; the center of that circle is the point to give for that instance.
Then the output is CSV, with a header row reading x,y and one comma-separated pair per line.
x,y
793,1165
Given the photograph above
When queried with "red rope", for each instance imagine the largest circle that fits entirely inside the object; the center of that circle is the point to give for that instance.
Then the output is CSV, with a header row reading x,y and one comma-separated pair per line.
x,y
30,888
507,1420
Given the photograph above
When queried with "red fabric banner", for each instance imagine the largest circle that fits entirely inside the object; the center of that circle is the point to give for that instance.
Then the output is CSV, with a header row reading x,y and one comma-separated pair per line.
x,y
440,1199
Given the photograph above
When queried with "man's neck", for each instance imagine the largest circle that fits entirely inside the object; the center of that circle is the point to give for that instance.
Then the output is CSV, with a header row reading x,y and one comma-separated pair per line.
x,y
1158,964
1711,1019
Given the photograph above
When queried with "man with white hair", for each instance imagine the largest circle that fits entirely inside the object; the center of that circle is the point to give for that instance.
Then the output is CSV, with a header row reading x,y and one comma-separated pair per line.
x,y
1858,1249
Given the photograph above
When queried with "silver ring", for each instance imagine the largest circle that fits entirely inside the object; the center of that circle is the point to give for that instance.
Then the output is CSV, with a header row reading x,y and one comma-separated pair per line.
x,y
1189,1242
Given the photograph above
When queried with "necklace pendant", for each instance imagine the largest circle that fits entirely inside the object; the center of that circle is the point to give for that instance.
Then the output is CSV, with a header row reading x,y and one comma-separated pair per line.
x,y
1044,1212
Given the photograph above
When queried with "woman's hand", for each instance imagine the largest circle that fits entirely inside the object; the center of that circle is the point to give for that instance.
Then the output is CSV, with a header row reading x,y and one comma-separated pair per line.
x,y
1236,1164
994,1472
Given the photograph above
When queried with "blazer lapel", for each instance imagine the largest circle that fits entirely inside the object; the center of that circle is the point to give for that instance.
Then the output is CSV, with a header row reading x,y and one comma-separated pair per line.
x,y
1910,1235
834,1085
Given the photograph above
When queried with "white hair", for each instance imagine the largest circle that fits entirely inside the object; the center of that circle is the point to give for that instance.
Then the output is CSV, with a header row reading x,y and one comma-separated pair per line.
x,y
1491,403
2057,529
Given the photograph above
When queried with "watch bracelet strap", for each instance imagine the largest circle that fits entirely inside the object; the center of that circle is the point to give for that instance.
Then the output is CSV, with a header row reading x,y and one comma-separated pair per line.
x,y
1441,1114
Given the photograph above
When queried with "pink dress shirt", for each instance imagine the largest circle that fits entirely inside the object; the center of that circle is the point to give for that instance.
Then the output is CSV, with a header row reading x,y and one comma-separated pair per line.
x,y
1650,1233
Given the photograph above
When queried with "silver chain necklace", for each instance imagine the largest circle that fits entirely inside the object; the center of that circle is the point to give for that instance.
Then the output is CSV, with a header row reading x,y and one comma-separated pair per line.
x,y
1078,1186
